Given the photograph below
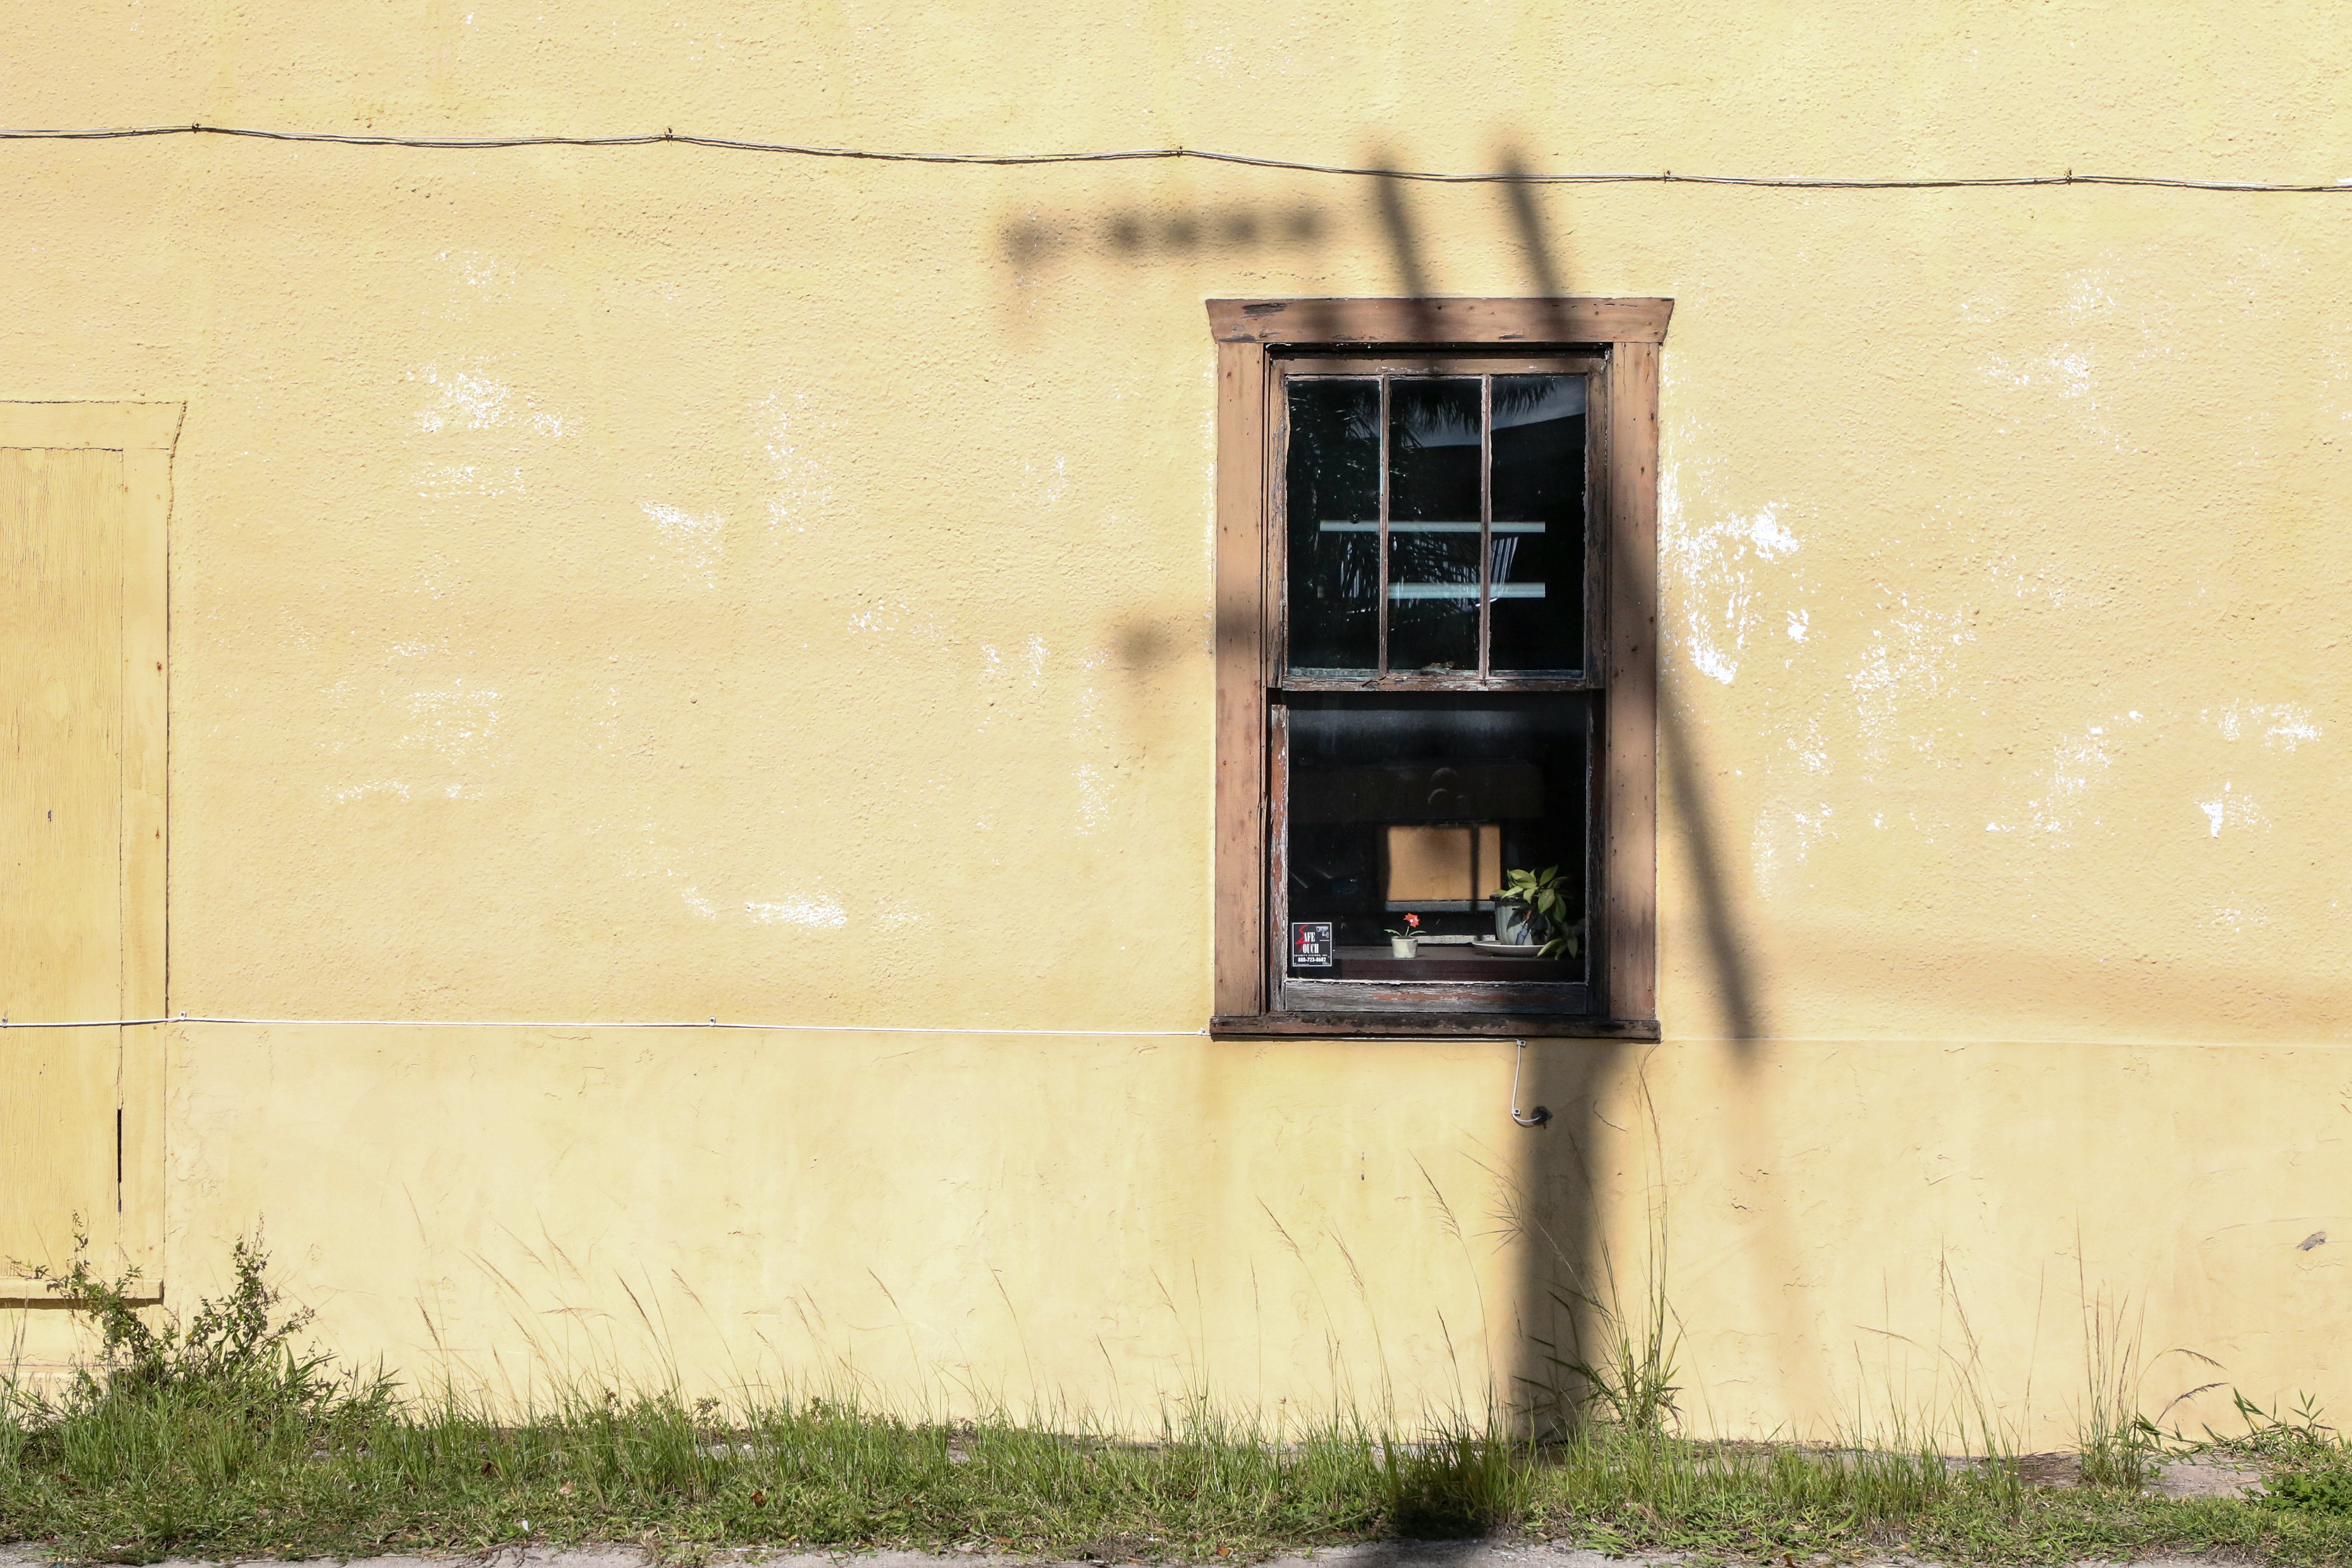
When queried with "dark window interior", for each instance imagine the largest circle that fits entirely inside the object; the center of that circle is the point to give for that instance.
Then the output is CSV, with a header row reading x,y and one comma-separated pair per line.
x,y
1419,804
1437,524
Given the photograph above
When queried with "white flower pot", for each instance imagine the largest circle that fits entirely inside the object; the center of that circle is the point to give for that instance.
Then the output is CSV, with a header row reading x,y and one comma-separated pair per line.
x,y
1513,925
1406,946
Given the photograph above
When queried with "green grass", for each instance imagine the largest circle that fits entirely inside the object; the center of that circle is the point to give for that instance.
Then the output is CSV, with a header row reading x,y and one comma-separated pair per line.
x,y
138,1476
220,1441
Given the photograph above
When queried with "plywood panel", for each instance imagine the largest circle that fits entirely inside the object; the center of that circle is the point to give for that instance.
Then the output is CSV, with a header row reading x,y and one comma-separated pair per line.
x,y
61,843
58,1093
61,734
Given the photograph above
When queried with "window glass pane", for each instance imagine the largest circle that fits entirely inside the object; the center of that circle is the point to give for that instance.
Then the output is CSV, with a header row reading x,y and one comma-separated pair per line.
x,y
1422,803
1334,503
1537,621
1435,451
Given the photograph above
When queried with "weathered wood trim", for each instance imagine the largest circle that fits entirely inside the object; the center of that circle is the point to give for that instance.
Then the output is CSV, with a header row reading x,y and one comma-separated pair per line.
x,y
1390,323
1505,681
1629,722
1238,903
1249,984
1560,1000
1431,1027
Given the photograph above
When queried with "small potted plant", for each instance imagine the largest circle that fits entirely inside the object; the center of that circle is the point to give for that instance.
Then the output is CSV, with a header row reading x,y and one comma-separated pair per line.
x,y
1406,943
1531,907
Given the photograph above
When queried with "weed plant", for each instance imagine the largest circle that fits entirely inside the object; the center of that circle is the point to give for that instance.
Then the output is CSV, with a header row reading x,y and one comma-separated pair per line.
x,y
221,1439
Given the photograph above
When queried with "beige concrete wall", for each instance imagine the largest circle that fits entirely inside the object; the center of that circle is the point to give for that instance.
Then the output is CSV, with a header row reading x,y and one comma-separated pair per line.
x,y
657,584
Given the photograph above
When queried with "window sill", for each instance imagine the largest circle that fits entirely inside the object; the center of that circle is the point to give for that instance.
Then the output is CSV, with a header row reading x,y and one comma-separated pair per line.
x,y
1429,1026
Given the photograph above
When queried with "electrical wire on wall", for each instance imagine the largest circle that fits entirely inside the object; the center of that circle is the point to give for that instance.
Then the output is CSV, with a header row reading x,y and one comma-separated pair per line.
x,y
1151,154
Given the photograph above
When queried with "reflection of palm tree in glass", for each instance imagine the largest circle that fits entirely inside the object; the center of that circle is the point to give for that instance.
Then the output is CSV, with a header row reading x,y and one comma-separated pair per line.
x,y
1436,475
1333,498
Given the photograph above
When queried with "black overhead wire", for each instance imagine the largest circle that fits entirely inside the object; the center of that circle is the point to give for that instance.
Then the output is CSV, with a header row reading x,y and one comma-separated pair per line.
x,y
1155,154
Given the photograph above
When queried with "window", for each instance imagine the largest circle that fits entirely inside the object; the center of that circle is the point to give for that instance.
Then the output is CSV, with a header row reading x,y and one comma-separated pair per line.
x,y
1437,566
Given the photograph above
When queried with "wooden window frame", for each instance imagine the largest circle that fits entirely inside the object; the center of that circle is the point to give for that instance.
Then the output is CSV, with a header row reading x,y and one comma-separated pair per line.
x,y
1623,337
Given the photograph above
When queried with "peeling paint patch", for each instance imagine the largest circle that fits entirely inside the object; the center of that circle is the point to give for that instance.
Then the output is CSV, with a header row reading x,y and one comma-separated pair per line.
x,y
816,913
2073,766
457,724
1040,487
700,542
803,481
2282,726
471,401
1785,835
476,269
1909,659
433,479
896,616
2229,809
1093,799
350,793
1719,593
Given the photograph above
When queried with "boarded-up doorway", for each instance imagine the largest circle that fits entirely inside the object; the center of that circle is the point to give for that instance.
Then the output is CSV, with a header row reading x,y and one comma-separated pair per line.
x,y
84,498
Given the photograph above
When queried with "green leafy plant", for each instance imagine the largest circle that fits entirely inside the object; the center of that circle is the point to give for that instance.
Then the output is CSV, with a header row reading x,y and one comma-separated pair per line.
x,y
1411,927
2323,1491
236,1351
1540,894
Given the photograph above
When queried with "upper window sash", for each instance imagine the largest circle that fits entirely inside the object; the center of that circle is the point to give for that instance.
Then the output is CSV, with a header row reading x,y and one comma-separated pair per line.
x,y
1375,557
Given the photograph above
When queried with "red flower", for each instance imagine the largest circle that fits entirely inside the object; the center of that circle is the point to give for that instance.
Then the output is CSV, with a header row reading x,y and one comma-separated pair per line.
x,y
1413,920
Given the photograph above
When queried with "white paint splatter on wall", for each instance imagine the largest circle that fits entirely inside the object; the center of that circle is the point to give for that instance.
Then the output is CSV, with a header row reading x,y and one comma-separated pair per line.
x,y
816,913
1711,567
461,725
2282,726
899,617
1094,798
2075,764
467,479
803,481
470,400
2229,809
699,541
476,269
361,791
1912,658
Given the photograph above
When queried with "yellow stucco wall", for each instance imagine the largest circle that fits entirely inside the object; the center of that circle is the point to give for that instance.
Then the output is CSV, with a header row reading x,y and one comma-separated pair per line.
x,y
657,583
